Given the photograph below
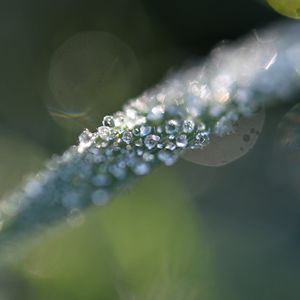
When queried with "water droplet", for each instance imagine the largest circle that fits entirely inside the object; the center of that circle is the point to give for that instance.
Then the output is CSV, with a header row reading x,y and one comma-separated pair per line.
x,y
139,152
188,126
127,137
33,188
136,131
201,126
118,171
156,113
100,197
170,146
85,137
104,133
151,141
171,127
159,129
167,157
119,119
182,141
141,168
85,140
145,130
148,157
108,121
70,200
139,143
101,180
201,140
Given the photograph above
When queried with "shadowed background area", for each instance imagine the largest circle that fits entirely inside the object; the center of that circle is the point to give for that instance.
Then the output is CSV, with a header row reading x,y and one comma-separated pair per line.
x,y
188,232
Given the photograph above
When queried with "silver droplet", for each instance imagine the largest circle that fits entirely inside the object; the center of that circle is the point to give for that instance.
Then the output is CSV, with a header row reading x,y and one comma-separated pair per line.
x,y
148,157
108,121
145,130
85,137
100,197
127,137
182,141
171,127
101,180
188,126
170,146
141,168
104,133
151,141
167,157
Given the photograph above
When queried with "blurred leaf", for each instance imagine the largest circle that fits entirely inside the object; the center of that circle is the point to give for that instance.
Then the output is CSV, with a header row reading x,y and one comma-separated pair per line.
x,y
145,245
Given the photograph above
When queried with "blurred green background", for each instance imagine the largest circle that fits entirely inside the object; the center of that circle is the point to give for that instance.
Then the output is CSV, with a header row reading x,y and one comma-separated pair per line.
x,y
188,232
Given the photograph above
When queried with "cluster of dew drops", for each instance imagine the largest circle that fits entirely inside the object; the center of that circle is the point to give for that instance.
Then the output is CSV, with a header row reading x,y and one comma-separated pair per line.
x,y
132,143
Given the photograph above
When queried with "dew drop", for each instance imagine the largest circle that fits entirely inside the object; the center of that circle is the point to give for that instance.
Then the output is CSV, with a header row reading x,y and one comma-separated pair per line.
x,y
139,152
151,141
104,133
119,119
141,169
139,143
188,126
70,200
101,180
117,171
127,137
145,130
167,157
85,137
171,127
108,121
148,157
201,140
182,141
170,146
156,113
100,197
136,131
